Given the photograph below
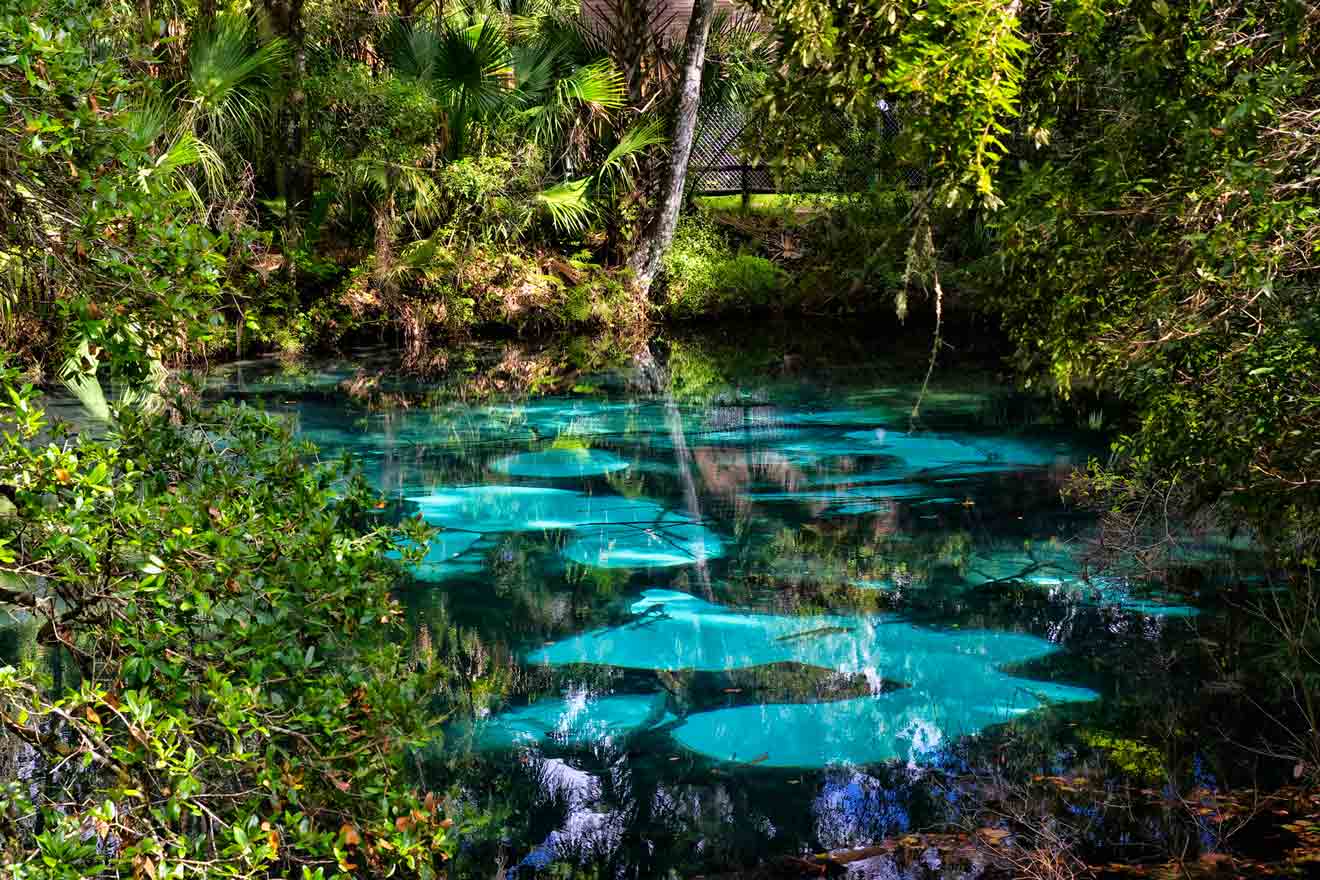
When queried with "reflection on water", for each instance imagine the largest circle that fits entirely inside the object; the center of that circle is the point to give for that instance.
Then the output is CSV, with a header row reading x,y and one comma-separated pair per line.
x,y
737,614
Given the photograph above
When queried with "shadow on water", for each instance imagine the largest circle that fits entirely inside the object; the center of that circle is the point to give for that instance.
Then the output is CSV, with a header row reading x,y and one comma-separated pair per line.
x,y
722,604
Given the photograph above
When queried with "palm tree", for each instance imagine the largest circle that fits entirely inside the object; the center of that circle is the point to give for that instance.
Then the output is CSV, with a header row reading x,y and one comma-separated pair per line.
x,y
569,105
468,66
568,101
232,75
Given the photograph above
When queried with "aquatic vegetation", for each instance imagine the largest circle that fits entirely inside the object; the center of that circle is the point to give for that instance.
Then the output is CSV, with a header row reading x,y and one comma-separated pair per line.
x,y
559,463
674,630
953,685
748,435
379,433
1156,605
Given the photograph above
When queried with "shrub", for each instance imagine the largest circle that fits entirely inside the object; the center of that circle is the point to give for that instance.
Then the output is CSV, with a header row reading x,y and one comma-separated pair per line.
x,y
705,276
237,698
489,199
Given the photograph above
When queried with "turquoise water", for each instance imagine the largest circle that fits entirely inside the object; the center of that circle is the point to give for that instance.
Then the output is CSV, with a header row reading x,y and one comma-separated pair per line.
x,y
744,609
950,683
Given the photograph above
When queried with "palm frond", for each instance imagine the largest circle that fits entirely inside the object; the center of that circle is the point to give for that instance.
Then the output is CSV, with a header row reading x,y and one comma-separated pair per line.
x,y
230,77
738,50
412,49
577,37
427,201
143,125
534,69
568,204
470,67
78,374
148,397
474,67
185,152
167,166
368,174
531,21
379,178
600,84
621,161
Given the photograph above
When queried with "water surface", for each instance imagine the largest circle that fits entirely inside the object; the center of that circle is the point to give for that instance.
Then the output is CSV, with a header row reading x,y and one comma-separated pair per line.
x,y
725,607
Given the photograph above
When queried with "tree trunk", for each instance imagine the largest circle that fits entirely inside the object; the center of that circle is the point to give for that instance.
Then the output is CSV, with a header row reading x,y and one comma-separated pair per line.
x,y
292,181
632,42
383,219
652,378
649,256
299,187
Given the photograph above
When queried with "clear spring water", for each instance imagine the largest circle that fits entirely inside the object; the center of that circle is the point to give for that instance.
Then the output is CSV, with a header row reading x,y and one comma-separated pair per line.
x,y
743,610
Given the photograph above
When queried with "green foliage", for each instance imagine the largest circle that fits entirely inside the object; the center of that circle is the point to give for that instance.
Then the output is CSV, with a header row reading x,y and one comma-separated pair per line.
x,y
954,66
230,76
491,199
281,321
357,113
573,204
242,701
707,277
568,205
854,248
1146,226
104,237
1134,758
1159,239
464,66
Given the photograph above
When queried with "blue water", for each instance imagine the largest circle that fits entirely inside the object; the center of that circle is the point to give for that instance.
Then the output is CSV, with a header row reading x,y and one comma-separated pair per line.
x,y
736,615
950,682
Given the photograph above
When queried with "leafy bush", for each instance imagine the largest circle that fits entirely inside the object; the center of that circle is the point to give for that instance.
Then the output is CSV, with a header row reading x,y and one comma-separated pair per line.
x,y
705,276
354,109
490,199
100,206
240,700
1172,258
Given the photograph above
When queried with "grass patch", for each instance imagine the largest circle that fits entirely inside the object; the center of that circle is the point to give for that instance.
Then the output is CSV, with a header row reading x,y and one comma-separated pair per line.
x,y
788,206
